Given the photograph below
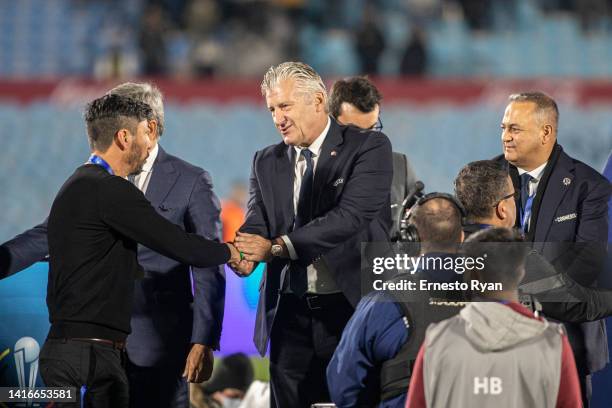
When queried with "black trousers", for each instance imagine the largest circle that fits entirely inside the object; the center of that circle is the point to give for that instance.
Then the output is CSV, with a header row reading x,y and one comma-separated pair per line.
x,y
158,387
97,367
304,336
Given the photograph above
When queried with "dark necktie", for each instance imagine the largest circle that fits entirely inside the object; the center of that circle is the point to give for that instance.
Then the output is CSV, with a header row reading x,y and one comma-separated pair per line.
x,y
304,207
525,180
298,281
525,196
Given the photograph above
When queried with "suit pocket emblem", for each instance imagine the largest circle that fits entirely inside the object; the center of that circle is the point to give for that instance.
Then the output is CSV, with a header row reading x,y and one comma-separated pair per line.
x,y
566,217
338,182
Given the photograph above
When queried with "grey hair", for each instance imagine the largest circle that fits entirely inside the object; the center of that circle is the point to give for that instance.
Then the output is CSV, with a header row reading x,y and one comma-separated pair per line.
x,y
546,107
147,93
306,78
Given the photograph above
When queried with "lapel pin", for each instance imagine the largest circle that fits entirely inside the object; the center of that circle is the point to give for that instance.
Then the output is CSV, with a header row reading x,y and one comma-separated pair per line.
x,y
567,181
334,153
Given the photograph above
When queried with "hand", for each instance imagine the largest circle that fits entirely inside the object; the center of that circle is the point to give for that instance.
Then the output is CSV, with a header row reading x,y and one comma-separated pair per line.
x,y
243,268
199,363
254,247
235,256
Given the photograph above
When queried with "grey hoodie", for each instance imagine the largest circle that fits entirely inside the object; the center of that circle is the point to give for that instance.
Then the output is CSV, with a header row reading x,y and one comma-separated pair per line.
x,y
492,326
492,356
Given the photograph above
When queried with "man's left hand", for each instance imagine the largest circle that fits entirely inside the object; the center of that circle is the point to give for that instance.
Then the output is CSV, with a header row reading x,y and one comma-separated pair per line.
x,y
199,363
255,247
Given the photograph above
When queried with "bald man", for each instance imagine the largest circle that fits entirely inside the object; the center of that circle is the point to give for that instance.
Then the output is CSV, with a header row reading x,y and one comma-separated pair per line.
x,y
371,365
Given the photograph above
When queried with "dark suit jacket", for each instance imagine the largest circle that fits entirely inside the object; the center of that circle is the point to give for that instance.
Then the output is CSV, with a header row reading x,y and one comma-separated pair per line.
x,y
163,322
571,206
351,205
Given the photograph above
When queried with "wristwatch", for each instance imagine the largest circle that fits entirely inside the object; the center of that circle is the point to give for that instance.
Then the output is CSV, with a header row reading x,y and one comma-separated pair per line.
x,y
276,250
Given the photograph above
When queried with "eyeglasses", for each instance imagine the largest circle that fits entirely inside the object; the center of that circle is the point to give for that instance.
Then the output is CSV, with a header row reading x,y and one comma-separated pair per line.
x,y
378,126
514,194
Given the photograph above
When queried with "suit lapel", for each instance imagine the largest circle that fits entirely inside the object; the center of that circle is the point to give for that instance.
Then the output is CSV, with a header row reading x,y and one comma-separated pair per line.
x,y
163,178
330,152
284,173
552,189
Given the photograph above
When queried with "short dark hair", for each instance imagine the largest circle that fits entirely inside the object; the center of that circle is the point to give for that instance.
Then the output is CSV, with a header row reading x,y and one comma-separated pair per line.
x,y
107,115
504,255
358,91
546,107
438,222
479,186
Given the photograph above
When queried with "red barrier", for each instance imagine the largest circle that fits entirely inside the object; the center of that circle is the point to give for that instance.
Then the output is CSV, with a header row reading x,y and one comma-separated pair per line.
x,y
427,91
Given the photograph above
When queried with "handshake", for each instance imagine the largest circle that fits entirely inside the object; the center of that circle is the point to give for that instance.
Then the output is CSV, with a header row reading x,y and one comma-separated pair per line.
x,y
247,250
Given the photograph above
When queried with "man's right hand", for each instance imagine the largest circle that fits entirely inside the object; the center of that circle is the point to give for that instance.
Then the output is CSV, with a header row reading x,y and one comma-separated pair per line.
x,y
235,255
243,268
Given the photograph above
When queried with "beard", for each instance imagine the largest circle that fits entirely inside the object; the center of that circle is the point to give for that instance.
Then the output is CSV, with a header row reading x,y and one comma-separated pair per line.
x,y
134,161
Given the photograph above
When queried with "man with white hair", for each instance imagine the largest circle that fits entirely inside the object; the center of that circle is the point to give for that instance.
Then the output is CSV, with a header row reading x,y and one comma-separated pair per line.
x,y
314,198
175,327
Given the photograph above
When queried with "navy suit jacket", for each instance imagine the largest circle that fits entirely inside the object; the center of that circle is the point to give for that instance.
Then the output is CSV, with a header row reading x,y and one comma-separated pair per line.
x,y
571,206
351,205
164,320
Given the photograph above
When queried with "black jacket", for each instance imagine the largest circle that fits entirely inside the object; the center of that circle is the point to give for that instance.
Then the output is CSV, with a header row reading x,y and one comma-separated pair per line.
x,y
94,226
569,228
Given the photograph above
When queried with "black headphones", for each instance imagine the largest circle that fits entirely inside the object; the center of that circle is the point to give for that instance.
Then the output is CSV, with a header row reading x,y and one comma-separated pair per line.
x,y
410,233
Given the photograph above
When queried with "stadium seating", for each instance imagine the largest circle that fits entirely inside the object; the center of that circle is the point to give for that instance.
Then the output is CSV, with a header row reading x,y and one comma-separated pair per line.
x,y
42,143
68,37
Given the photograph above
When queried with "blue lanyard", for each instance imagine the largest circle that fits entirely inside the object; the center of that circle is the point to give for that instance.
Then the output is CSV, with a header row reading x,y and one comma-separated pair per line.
x,y
97,160
526,213
483,226
83,392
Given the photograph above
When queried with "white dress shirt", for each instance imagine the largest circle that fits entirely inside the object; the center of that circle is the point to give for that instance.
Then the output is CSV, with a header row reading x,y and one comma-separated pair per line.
x,y
319,278
536,175
142,179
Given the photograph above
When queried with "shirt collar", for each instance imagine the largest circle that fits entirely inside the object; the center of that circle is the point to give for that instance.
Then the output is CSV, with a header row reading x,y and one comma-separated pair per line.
x,y
148,165
535,173
316,146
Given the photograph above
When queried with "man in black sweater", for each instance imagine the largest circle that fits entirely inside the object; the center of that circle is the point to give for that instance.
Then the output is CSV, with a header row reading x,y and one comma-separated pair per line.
x,y
96,221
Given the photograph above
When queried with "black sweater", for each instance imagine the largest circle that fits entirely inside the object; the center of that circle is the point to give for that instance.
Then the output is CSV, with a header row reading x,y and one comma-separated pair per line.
x,y
94,226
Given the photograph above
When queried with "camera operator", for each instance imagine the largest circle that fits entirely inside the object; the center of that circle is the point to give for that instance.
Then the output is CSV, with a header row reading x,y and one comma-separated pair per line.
x,y
371,365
